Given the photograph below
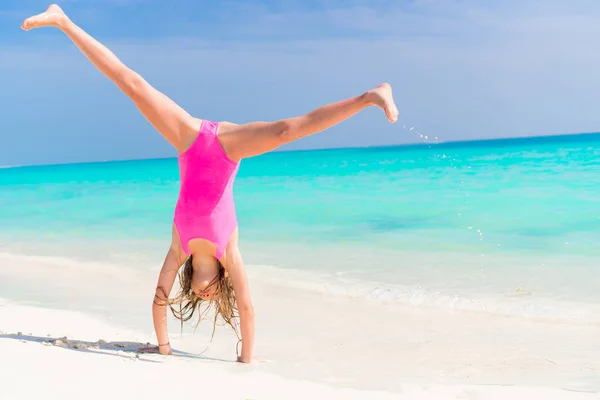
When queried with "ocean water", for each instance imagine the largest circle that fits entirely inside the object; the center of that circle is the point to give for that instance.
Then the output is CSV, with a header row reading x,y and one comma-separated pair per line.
x,y
460,262
469,224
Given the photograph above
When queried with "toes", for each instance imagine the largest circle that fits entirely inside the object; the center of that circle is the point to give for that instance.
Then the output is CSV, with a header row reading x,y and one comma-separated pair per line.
x,y
392,114
28,23
36,21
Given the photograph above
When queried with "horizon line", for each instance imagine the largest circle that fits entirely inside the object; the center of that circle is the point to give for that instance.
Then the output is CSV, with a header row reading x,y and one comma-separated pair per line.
x,y
389,146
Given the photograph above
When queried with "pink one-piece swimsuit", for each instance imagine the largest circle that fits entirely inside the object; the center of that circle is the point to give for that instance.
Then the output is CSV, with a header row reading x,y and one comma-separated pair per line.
x,y
205,207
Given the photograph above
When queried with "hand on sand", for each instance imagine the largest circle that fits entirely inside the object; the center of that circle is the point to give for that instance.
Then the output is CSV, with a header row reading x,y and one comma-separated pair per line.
x,y
164,350
252,361
53,16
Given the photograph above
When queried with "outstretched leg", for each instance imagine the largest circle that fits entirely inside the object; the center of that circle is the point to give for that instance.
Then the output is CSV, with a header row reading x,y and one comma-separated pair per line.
x,y
248,140
174,123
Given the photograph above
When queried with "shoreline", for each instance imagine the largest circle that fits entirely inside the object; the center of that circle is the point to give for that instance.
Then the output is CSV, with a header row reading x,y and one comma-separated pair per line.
x,y
507,299
66,369
321,338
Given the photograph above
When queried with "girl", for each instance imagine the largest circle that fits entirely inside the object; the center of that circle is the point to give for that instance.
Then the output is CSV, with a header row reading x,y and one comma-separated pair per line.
x,y
204,232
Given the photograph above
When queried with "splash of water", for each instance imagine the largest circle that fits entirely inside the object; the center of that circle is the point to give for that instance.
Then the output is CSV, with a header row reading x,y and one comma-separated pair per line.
x,y
452,161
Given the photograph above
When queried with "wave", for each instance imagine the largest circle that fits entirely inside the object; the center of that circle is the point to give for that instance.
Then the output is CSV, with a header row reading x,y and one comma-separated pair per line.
x,y
518,303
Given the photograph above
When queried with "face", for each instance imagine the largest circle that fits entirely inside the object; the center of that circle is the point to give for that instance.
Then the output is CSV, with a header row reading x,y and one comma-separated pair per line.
x,y
201,282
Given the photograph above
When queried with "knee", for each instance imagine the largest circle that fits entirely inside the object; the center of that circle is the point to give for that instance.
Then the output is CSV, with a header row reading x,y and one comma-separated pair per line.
x,y
131,83
284,131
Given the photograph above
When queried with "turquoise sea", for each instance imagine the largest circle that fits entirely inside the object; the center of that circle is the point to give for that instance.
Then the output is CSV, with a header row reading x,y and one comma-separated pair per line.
x,y
454,225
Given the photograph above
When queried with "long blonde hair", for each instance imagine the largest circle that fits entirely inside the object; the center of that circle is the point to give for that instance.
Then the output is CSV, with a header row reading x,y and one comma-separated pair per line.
x,y
224,304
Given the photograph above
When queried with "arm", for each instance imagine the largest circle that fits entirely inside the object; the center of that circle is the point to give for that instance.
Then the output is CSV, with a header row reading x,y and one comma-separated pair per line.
x,y
235,268
166,279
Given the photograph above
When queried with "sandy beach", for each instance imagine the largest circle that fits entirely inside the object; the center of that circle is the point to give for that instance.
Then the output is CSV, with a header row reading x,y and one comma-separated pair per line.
x,y
305,347
98,361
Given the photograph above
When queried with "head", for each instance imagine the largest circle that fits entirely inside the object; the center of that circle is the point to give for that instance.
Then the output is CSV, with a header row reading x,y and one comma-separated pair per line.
x,y
202,289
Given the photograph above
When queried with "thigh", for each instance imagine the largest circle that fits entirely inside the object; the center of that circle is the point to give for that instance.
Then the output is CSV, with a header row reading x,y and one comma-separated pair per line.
x,y
175,124
249,140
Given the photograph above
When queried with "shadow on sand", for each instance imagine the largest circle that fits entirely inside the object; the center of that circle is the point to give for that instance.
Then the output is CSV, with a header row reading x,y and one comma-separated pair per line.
x,y
129,350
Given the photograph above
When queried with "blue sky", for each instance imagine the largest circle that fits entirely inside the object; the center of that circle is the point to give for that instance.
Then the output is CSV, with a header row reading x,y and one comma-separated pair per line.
x,y
461,69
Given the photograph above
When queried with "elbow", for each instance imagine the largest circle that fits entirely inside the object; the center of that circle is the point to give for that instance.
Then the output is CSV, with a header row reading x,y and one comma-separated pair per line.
x,y
160,298
246,311
285,131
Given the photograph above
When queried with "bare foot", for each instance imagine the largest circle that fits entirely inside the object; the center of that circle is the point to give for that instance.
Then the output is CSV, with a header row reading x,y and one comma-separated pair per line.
x,y
382,97
53,16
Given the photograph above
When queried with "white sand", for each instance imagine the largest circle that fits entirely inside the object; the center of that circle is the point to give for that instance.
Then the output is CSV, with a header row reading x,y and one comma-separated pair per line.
x,y
90,365
305,335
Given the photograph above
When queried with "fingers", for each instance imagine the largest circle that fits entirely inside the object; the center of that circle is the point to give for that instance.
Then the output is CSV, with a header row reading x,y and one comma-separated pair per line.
x,y
153,349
